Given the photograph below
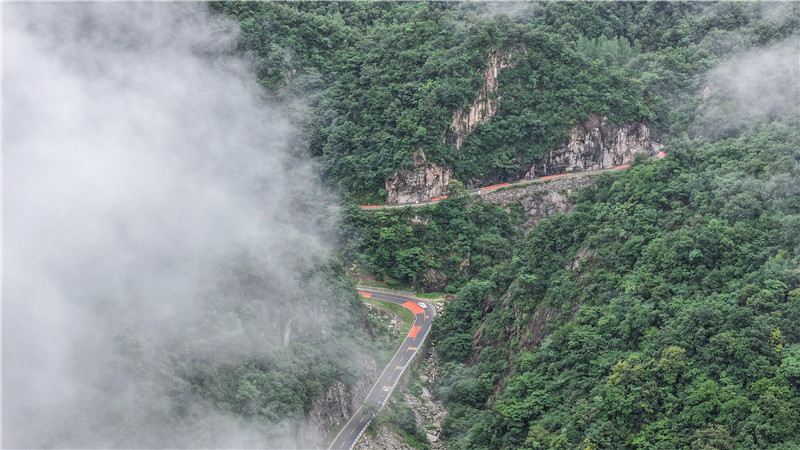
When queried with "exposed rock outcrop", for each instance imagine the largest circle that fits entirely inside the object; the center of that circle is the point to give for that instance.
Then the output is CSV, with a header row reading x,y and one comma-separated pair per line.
x,y
424,182
485,104
537,327
537,207
429,413
583,255
338,404
384,438
595,144
539,199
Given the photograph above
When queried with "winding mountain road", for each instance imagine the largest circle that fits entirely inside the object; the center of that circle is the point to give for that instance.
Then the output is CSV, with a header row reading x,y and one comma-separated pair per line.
x,y
657,147
423,318
383,387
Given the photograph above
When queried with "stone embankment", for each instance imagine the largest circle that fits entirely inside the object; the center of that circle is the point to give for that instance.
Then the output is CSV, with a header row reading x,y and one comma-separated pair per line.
x,y
539,199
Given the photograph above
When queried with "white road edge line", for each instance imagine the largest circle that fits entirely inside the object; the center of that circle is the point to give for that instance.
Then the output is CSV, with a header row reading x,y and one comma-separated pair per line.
x,y
356,414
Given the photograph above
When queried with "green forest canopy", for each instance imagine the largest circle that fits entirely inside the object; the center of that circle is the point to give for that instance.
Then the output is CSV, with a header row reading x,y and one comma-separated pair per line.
x,y
662,311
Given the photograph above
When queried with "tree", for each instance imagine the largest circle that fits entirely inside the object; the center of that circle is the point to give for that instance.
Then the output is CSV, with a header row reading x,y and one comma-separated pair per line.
x,y
456,189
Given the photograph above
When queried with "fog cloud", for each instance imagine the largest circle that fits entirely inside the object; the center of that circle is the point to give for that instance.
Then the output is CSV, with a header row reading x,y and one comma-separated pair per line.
x,y
751,88
140,165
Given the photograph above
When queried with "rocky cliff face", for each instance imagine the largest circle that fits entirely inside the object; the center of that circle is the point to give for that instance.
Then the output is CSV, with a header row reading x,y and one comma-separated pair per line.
x,y
428,180
485,104
424,182
595,144
338,404
537,207
539,199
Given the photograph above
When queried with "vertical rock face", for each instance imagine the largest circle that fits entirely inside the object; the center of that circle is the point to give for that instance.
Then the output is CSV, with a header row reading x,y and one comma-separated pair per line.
x,y
429,180
336,406
485,104
425,181
595,144
545,205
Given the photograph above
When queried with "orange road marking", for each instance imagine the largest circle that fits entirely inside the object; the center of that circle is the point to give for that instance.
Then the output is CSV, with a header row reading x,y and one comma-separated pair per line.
x,y
413,332
413,307
660,154
412,348
496,185
386,388
398,368
365,294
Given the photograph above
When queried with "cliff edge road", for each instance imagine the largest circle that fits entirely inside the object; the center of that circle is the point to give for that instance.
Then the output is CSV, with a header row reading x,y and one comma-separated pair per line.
x,y
382,389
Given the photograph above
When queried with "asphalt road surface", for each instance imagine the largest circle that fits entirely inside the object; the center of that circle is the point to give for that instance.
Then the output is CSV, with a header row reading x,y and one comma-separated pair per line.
x,y
656,147
423,317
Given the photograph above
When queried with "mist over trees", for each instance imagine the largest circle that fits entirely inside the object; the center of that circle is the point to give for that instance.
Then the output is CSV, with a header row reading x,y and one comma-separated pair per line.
x,y
660,312
163,283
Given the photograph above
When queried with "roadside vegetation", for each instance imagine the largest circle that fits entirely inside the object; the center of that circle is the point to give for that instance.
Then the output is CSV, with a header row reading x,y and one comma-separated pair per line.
x,y
390,324
662,311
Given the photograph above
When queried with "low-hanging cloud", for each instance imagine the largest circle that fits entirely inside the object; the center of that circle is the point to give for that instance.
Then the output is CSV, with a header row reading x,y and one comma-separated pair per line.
x,y
139,163
751,88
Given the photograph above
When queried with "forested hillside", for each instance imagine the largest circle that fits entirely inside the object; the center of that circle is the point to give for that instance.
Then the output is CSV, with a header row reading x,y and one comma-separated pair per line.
x,y
381,80
373,82
161,287
660,313
662,310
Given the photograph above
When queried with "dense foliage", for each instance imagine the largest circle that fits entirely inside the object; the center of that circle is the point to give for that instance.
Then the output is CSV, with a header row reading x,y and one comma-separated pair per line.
x,y
379,80
662,311
672,294
369,83
429,248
